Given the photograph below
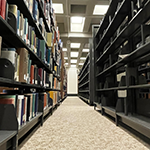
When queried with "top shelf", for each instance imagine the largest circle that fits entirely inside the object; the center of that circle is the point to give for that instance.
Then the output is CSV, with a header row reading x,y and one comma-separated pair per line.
x,y
24,9
11,38
133,25
110,12
27,14
116,21
84,65
43,16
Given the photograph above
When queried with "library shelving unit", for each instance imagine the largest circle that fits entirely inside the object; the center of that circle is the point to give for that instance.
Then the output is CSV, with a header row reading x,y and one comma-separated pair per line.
x,y
84,80
36,98
122,64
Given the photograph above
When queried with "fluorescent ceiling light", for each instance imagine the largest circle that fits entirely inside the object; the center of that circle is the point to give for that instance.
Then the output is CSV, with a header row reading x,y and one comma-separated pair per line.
x,y
74,54
100,9
73,60
73,65
64,49
85,50
76,20
66,63
77,24
75,45
81,64
65,57
83,58
58,8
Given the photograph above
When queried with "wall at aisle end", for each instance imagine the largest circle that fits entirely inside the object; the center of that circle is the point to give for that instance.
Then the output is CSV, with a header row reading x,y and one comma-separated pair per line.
x,y
72,85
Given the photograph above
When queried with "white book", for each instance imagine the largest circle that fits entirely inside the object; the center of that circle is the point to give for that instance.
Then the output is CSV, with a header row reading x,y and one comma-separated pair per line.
x,y
19,107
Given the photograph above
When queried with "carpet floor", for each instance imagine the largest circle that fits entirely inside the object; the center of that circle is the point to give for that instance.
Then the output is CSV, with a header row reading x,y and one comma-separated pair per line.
x,y
77,126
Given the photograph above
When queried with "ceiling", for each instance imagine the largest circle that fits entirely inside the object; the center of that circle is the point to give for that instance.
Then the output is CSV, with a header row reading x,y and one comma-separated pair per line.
x,y
83,8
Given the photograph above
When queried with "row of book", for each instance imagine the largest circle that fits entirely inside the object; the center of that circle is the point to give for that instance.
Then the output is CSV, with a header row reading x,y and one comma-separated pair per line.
x,y
24,69
21,26
27,106
28,33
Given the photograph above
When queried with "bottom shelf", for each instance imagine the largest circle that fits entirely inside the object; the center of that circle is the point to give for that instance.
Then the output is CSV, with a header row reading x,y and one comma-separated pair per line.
x,y
109,110
47,110
137,122
28,125
87,100
98,105
5,136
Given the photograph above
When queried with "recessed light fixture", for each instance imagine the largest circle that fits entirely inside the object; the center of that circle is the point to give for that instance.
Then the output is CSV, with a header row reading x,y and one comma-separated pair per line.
x,y
75,45
100,9
58,8
85,50
83,58
81,64
66,63
74,54
65,57
73,60
73,65
77,24
64,49
76,19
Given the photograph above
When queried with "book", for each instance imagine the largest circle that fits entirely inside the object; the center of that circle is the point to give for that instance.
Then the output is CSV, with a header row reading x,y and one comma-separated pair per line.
x,y
8,99
6,11
31,6
16,67
45,101
42,49
35,10
12,17
40,74
18,22
32,74
3,8
21,25
25,110
23,64
49,39
35,74
29,70
28,107
19,108
25,30
51,80
0,45
36,104
22,112
33,105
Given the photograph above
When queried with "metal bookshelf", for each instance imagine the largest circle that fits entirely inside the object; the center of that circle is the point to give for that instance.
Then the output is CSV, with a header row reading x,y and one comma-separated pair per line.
x,y
121,76
10,133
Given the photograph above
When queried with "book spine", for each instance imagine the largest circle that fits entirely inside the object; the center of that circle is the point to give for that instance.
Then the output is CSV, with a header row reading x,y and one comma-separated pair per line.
x,y
3,8
32,74
31,103
22,109
33,106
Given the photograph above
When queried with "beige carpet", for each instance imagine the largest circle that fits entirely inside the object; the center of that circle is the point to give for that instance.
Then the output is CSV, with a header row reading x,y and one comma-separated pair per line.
x,y
77,126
